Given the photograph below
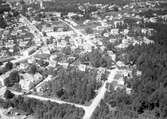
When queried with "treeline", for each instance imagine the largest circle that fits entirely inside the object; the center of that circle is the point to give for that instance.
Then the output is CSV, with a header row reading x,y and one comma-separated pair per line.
x,y
43,110
73,85
60,7
72,5
92,1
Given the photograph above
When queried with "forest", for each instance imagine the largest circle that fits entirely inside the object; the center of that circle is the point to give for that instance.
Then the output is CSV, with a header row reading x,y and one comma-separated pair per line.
x,y
73,85
148,99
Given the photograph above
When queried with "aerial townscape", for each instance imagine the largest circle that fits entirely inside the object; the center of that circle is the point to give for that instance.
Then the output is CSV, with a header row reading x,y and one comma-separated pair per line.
x,y
83,59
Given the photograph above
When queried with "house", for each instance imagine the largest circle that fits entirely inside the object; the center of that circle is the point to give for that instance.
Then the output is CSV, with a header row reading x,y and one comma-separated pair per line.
x,y
113,40
147,41
71,14
9,44
45,50
100,28
153,20
114,31
47,29
23,43
164,17
112,55
22,66
106,35
3,52
28,81
82,67
31,61
126,31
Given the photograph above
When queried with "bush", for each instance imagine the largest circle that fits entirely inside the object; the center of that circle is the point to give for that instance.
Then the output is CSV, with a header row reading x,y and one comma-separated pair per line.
x,y
8,66
89,30
12,79
8,94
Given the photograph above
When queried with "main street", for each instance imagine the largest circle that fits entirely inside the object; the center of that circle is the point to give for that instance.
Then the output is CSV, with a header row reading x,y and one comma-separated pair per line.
x,y
38,36
73,28
85,38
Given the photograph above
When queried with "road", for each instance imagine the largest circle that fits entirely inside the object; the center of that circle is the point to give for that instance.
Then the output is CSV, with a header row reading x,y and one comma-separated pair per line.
x,y
74,29
34,30
23,58
42,82
96,101
48,99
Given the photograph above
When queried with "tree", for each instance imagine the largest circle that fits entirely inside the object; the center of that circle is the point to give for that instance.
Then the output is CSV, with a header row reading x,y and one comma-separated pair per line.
x,y
8,66
67,50
89,30
44,34
3,23
12,79
14,76
55,29
8,82
33,69
8,94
